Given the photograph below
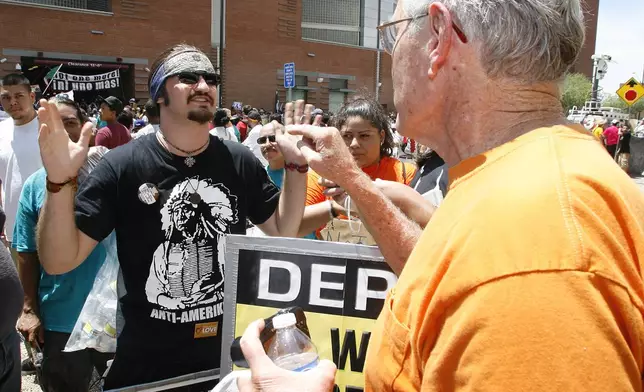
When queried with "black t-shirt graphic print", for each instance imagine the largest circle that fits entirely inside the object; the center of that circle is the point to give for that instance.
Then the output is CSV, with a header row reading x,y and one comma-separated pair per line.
x,y
170,221
182,273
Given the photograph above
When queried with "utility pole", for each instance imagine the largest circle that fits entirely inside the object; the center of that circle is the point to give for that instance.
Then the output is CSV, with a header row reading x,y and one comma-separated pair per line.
x,y
600,66
595,80
378,54
220,57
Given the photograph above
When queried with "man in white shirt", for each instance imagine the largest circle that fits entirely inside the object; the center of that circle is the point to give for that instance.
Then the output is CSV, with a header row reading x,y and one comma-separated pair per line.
x,y
223,127
19,152
255,119
3,114
153,120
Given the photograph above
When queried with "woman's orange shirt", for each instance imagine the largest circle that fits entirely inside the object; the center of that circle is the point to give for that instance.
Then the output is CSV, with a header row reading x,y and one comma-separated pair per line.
x,y
389,169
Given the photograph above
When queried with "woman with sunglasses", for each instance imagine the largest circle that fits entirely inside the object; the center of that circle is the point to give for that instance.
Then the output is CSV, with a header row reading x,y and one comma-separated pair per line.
x,y
271,152
364,126
255,127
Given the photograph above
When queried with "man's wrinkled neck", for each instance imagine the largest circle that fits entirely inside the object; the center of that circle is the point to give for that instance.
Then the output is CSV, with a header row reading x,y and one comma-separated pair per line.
x,y
496,116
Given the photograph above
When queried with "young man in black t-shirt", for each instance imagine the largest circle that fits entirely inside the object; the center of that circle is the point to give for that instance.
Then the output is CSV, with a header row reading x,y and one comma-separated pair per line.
x,y
171,197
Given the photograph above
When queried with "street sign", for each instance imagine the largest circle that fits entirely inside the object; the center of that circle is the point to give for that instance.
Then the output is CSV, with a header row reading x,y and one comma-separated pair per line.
x,y
289,75
631,91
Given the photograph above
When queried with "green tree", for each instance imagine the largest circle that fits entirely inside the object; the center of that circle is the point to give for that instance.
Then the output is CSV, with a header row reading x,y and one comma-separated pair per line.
x,y
577,89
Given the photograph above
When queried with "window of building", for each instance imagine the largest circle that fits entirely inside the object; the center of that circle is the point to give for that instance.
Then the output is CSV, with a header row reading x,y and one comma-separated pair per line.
x,y
298,93
90,5
337,94
337,21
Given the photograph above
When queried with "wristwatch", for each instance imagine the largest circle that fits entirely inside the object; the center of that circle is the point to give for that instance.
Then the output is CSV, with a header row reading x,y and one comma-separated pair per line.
x,y
53,187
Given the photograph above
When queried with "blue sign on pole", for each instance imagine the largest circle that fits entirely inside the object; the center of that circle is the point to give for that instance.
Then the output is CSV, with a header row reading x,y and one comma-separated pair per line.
x,y
289,75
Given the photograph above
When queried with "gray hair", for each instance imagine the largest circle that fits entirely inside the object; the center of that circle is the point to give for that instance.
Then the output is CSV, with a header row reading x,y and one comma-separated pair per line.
x,y
525,40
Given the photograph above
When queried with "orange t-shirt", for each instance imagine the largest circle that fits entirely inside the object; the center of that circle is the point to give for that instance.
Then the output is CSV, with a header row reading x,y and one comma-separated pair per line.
x,y
527,278
389,169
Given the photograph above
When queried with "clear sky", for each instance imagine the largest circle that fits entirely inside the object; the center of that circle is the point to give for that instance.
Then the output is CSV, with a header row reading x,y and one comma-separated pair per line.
x,y
620,34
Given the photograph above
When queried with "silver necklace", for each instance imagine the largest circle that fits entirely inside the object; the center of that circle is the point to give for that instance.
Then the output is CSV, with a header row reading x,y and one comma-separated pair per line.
x,y
190,159
194,197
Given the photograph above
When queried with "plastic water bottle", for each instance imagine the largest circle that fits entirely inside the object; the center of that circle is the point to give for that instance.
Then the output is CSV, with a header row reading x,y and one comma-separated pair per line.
x,y
291,349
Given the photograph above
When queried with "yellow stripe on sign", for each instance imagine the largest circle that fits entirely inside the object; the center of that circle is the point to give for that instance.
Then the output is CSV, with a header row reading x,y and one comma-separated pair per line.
x,y
332,336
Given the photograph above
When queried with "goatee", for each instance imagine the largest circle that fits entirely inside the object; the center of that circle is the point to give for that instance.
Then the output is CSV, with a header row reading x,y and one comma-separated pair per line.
x,y
200,116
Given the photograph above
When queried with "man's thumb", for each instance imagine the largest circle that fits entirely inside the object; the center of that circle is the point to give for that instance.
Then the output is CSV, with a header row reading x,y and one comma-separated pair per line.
x,y
86,134
326,371
327,366
309,153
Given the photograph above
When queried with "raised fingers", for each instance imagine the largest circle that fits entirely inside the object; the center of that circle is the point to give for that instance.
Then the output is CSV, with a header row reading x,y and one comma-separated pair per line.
x,y
299,111
308,109
279,128
43,112
48,114
288,114
86,134
44,132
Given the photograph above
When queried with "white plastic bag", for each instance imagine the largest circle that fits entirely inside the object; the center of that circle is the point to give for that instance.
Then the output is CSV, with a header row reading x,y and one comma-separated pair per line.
x,y
229,383
100,322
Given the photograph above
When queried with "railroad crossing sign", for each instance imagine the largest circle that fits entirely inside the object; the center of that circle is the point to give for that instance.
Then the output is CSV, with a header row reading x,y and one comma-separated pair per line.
x,y
631,91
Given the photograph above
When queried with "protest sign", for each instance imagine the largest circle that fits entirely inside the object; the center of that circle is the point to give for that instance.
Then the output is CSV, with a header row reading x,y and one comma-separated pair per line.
x,y
340,287
62,81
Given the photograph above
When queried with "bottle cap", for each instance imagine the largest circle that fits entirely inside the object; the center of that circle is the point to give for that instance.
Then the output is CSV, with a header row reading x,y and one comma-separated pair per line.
x,y
284,320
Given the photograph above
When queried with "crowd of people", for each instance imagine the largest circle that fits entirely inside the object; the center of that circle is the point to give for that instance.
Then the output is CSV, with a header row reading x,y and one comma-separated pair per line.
x,y
616,137
141,150
517,240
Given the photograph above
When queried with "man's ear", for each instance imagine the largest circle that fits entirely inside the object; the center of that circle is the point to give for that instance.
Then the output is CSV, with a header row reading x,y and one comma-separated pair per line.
x,y
440,25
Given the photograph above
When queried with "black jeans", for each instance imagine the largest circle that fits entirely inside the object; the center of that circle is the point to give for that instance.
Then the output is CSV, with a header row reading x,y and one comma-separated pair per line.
x,y
69,372
10,375
130,370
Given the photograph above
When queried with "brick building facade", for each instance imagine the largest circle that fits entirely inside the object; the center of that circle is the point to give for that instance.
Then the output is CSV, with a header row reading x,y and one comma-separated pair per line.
x,y
124,33
255,53
591,13
260,36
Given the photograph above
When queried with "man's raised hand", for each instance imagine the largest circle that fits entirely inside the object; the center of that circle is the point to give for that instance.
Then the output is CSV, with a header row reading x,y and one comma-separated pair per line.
x,y
61,157
295,113
326,152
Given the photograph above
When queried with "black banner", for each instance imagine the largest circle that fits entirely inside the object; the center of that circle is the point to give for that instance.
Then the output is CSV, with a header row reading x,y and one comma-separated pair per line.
x,y
327,285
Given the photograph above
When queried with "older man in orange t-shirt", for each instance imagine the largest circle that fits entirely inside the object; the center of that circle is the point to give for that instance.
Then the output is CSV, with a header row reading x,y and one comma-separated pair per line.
x,y
529,275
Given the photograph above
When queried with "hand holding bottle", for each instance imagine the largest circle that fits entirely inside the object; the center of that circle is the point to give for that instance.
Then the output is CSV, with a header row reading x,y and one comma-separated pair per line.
x,y
266,376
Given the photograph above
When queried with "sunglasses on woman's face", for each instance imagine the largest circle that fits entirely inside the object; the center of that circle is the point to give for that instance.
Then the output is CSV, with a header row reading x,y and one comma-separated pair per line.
x,y
263,139
211,79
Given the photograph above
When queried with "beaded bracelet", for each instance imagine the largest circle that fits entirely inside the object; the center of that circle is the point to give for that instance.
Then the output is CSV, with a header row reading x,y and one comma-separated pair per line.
x,y
299,168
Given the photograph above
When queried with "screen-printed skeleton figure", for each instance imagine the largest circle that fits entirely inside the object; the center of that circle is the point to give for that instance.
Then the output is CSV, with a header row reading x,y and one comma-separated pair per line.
x,y
188,267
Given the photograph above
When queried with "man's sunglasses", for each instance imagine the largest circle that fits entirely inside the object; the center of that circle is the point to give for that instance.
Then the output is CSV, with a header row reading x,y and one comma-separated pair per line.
x,y
212,79
263,139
